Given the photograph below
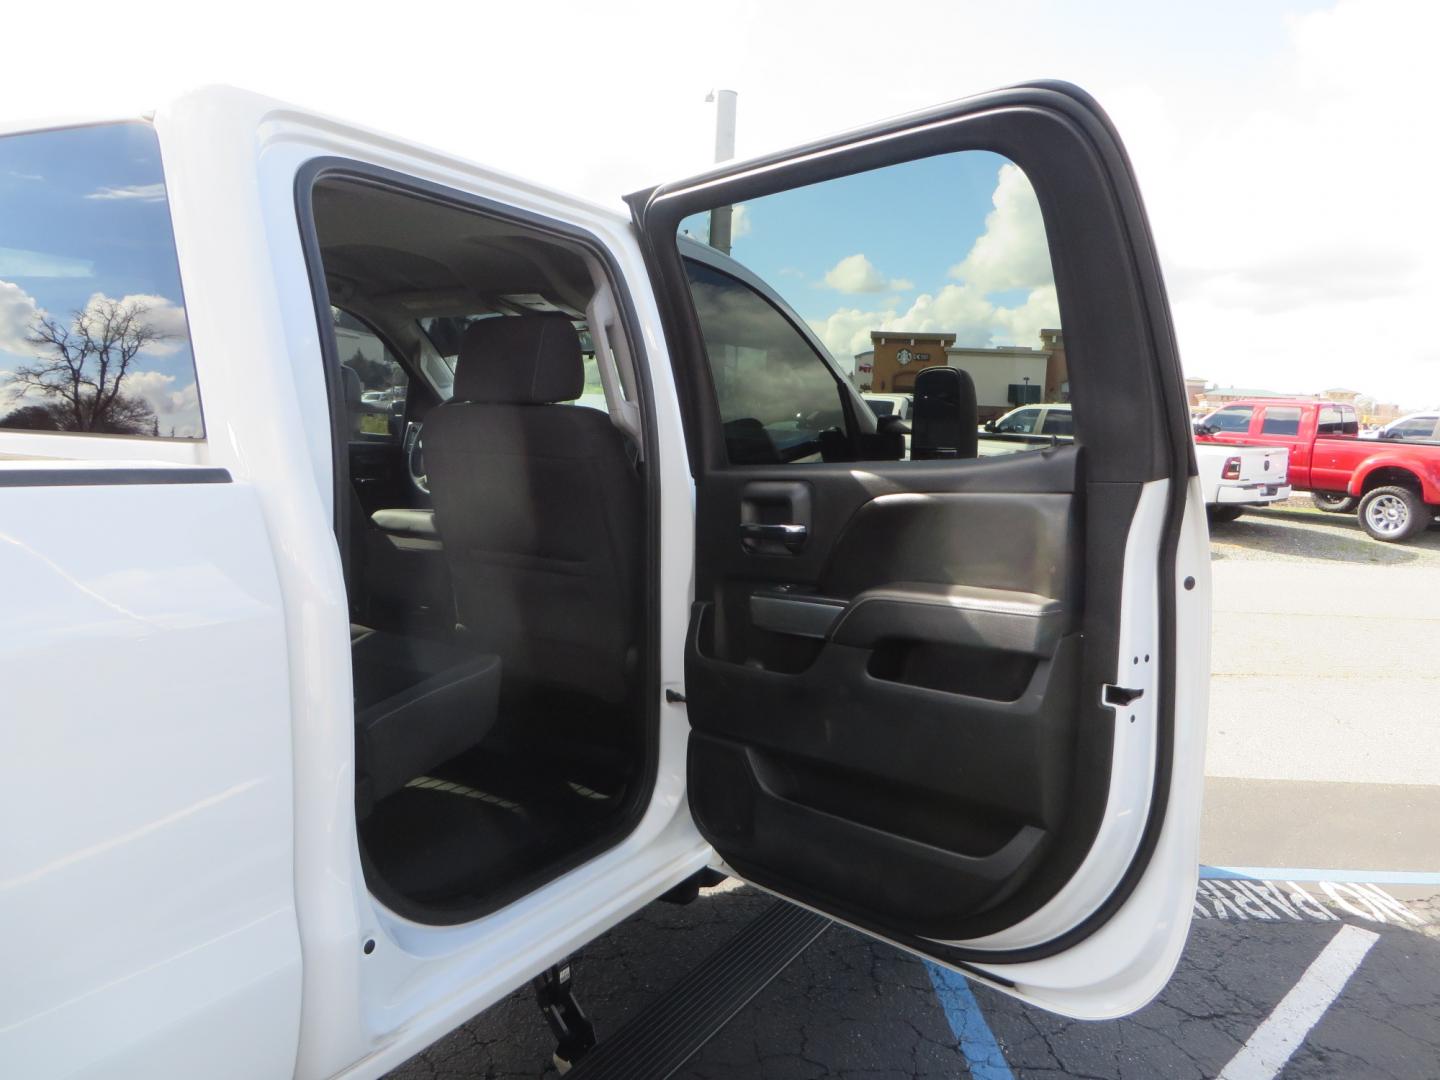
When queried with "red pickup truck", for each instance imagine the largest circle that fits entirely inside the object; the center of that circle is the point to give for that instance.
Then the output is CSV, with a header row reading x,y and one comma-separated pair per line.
x,y
1396,486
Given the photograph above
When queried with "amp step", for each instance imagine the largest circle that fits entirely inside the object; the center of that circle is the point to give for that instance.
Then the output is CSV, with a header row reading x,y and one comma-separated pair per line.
x,y
659,1040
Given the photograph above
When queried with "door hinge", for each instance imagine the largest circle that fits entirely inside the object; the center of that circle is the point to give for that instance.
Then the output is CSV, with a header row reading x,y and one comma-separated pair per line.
x,y
1121,695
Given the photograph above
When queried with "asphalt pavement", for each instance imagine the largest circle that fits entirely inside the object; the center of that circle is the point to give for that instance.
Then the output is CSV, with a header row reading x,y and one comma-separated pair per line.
x,y
1315,947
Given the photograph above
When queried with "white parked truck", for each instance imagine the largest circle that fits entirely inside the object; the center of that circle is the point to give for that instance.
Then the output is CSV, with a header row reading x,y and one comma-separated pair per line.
x,y
329,723
1236,477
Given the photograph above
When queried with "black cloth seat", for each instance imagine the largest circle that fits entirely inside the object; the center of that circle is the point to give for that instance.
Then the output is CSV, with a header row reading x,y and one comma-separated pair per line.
x,y
417,705
539,508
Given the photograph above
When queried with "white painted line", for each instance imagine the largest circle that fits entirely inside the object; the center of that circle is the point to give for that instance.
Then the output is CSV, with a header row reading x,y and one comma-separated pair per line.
x,y
1290,873
1267,1051
1271,901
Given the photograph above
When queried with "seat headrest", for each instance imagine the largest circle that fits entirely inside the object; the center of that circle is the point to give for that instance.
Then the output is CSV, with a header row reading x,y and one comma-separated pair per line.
x,y
520,360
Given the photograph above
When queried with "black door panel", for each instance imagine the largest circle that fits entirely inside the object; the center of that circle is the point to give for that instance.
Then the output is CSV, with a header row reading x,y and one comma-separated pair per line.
x,y
895,701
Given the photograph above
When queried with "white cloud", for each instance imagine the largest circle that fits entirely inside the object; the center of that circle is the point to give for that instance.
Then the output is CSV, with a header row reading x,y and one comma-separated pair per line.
x,y
130,193
741,223
857,274
161,314
846,331
1011,253
17,312
176,409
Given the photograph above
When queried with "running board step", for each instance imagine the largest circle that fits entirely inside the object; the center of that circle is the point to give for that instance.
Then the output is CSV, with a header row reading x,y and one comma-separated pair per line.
x,y
652,1045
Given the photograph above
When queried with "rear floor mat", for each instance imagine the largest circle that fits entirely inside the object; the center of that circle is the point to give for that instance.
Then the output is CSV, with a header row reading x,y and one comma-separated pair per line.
x,y
450,842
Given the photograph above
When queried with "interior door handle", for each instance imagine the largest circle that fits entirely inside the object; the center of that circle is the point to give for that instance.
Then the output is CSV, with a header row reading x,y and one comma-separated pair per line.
x,y
791,536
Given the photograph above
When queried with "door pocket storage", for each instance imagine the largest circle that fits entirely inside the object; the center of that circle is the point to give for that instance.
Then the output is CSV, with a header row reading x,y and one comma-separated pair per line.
x,y
954,669
859,870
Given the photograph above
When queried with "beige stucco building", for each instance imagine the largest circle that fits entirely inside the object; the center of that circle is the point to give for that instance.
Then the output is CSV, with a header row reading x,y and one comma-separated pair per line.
x,y
895,357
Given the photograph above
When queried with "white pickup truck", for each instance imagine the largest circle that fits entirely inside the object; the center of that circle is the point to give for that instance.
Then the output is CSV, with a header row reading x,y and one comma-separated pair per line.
x,y
1236,477
330,720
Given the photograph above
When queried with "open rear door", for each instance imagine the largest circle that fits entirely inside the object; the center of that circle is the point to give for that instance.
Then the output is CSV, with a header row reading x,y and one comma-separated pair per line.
x,y
944,685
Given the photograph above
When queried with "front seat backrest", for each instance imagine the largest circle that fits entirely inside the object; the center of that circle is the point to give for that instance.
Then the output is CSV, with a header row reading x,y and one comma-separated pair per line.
x,y
539,508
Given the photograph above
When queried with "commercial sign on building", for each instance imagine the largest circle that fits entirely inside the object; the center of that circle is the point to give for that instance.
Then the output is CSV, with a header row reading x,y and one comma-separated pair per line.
x,y
896,357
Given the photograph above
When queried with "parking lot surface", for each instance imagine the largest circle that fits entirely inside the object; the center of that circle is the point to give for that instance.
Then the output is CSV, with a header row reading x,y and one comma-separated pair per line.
x,y
1323,785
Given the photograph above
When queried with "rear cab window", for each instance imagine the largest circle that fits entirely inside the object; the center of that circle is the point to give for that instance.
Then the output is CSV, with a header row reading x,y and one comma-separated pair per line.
x,y
1281,420
1337,420
1059,422
93,336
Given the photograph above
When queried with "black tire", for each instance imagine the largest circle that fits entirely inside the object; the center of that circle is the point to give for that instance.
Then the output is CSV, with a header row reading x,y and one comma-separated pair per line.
x,y
1393,514
1333,503
1219,514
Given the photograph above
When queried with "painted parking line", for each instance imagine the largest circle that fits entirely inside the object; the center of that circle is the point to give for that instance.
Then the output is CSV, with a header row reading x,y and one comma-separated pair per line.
x,y
1280,1035
977,1042
1287,894
1242,894
1292,873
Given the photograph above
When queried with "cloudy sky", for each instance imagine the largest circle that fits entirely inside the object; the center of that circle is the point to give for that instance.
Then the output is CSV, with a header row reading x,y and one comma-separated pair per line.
x,y
1285,149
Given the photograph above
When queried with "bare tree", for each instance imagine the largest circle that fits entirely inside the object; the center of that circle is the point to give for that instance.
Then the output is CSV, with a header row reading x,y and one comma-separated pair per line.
x,y
81,367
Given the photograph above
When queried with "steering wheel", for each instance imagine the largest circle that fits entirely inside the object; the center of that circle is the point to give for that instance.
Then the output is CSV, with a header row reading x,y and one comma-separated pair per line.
x,y
415,457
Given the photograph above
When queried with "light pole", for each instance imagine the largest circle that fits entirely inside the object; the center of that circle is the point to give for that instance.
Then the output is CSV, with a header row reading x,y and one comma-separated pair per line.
x,y
721,216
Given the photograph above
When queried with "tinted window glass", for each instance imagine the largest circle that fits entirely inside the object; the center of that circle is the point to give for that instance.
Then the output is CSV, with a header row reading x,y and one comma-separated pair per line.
x,y
1281,420
881,406
1329,422
375,383
776,394
1019,423
92,322
1349,422
1235,419
1059,422
872,279
1421,427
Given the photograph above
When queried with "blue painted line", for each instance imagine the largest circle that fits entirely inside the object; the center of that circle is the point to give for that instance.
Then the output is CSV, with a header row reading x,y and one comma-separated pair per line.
x,y
977,1041
1295,873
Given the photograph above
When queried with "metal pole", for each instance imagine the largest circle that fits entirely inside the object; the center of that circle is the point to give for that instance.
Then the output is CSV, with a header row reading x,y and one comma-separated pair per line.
x,y
721,216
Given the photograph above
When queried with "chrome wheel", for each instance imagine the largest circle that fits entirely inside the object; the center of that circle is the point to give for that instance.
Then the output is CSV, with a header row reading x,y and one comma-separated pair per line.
x,y
1387,515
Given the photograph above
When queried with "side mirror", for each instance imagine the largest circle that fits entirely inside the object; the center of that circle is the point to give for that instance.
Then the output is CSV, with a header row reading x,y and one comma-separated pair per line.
x,y
1391,434
946,415
990,425
892,425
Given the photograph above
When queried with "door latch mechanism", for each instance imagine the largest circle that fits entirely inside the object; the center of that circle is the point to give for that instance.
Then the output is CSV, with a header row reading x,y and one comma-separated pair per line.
x,y
1120,695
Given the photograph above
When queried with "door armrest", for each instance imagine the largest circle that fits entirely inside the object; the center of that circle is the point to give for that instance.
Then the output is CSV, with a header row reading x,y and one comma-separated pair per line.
x,y
405,522
999,619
